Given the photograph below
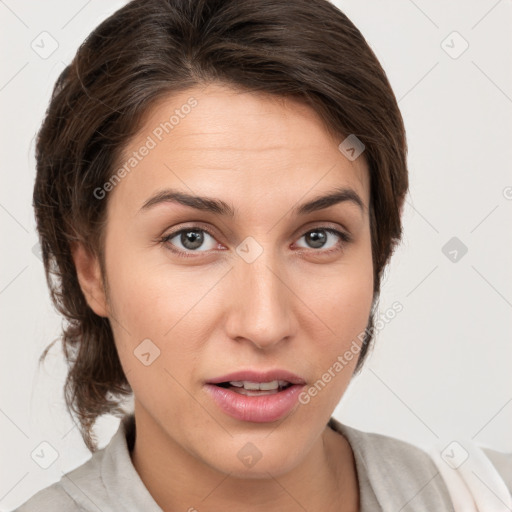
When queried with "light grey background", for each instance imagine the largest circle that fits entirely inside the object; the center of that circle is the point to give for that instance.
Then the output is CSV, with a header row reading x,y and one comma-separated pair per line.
x,y
442,367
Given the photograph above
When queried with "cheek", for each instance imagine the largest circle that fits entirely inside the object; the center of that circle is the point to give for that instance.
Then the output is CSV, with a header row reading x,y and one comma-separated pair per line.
x,y
344,310
163,301
341,299
142,295
159,302
341,295
348,305
156,332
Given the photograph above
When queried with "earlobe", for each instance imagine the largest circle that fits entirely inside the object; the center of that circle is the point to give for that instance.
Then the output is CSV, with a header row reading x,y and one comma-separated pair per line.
x,y
90,279
402,209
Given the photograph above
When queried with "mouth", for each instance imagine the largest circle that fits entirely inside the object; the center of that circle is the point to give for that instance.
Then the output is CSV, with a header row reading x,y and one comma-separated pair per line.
x,y
248,388
267,379
256,396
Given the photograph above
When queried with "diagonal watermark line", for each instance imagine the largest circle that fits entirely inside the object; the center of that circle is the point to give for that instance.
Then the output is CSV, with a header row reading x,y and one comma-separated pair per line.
x,y
303,195
14,423
403,402
418,82
294,410
506,403
69,431
424,14
10,490
197,401
486,14
422,280
170,170
13,217
491,491
85,494
484,218
13,279
493,287
279,220
10,80
192,307
285,490
216,487
419,491
281,422
193,192
422,216
75,425
492,81
301,301
111,316
4,4
76,14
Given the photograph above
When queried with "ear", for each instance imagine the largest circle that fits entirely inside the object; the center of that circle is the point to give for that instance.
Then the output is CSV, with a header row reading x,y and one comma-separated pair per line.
x,y
402,206
89,276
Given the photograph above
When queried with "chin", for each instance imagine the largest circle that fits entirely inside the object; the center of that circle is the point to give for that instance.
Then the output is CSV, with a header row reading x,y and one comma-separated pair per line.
x,y
253,459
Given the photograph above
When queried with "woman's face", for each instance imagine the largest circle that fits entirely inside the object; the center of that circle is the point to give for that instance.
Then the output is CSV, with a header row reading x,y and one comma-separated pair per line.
x,y
261,287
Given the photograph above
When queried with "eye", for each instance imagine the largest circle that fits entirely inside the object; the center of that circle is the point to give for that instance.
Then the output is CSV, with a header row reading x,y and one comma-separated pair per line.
x,y
193,238
318,237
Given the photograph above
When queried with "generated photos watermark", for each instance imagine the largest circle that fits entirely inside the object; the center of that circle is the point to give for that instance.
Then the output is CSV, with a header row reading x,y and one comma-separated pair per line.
x,y
152,140
344,359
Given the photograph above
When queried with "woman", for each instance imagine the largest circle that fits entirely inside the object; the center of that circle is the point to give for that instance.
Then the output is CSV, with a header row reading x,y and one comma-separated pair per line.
x,y
219,189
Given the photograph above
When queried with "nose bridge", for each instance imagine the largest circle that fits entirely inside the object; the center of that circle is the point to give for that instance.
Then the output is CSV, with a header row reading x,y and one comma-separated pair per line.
x,y
260,310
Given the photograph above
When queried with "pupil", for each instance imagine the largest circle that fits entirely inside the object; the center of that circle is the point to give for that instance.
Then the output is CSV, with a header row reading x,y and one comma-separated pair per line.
x,y
318,237
192,239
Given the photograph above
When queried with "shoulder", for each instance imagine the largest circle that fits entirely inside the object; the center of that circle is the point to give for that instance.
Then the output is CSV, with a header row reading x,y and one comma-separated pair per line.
x,y
107,481
53,498
444,474
402,475
392,452
73,492
503,464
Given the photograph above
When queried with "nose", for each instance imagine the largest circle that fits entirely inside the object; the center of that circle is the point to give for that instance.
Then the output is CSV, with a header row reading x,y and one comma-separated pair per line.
x,y
261,307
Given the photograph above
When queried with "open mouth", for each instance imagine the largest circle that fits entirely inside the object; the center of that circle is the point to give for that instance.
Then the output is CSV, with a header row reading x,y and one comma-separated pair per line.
x,y
256,396
249,388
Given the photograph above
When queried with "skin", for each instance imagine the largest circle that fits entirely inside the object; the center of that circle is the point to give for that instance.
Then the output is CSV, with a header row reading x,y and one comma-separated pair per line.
x,y
295,307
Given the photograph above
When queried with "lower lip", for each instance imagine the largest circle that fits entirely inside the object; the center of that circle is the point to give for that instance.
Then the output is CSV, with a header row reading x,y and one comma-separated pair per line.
x,y
258,409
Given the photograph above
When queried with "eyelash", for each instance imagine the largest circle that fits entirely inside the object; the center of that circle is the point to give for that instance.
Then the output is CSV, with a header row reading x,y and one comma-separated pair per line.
x,y
346,239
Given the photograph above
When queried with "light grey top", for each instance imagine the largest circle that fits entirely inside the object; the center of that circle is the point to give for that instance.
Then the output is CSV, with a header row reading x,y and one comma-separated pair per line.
x,y
393,475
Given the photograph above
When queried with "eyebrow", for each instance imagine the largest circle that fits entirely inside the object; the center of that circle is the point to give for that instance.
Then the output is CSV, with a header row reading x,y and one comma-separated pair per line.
x,y
219,207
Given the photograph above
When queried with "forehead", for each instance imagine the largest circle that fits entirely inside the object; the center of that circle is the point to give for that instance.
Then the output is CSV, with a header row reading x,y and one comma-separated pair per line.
x,y
221,141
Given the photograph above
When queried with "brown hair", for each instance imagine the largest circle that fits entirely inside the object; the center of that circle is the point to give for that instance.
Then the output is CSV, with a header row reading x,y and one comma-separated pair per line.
x,y
148,49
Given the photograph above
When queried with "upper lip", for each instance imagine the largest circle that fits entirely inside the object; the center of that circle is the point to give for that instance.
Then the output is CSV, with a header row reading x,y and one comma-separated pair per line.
x,y
258,376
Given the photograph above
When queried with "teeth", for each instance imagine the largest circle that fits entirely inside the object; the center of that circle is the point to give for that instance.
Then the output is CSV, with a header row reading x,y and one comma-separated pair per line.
x,y
265,386
248,392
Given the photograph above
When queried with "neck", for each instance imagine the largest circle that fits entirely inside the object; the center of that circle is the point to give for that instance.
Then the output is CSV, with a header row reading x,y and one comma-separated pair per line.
x,y
325,480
